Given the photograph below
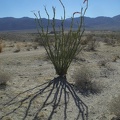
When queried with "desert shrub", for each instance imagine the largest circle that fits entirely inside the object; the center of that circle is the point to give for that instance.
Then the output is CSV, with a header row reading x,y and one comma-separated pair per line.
x,y
84,83
103,64
79,58
118,38
4,78
114,107
28,48
1,47
25,44
109,41
92,43
11,44
39,40
85,39
107,68
17,49
31,45
35,46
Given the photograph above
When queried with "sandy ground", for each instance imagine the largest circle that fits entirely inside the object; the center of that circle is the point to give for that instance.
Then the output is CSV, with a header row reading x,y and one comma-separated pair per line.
x,y
30,68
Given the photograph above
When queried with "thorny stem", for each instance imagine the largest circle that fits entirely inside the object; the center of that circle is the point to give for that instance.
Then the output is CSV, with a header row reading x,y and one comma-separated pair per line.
x,y
66,45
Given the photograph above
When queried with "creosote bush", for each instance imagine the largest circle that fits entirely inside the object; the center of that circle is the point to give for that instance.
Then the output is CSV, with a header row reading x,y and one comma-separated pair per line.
x,y
92,43
110,41
84,83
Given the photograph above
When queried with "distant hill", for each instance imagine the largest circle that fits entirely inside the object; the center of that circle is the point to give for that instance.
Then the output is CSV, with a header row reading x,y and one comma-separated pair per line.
x,y
25,23
10,23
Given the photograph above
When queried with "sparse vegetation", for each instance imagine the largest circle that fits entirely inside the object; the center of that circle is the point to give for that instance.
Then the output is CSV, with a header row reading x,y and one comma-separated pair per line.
x,y
109,41
1,47
106,62
35,45
17,49
28,48
92,43
84,83
4,78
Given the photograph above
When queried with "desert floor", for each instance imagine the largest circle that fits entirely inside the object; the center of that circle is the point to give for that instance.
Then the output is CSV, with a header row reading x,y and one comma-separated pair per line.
x,y
28,67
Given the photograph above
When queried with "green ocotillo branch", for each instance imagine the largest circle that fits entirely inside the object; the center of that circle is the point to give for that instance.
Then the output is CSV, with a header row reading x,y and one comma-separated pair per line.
x,y
66,45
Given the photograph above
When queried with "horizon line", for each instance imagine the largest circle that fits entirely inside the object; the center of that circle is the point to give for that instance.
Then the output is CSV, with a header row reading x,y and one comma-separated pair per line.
x,y
56,18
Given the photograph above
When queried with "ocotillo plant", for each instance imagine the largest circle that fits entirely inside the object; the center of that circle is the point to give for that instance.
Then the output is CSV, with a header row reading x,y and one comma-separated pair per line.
x,y
65,46
61,52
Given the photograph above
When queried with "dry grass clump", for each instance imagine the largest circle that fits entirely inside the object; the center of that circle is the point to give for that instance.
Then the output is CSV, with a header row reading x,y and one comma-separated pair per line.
x,y
85,39
79,59
115,107
107,68
11,44
35,45
17,49
110,41
39,41
84,83
1,47
91,43
28,48
4,78
118,38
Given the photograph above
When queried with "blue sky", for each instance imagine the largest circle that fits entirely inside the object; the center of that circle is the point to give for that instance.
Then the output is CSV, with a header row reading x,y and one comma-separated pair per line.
x,y
23,8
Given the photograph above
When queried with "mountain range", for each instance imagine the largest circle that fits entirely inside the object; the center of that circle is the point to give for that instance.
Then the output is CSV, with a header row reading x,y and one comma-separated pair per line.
x,y
26,23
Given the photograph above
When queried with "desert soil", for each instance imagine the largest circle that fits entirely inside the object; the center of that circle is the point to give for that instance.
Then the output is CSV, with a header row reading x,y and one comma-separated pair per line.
x,y
28,69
